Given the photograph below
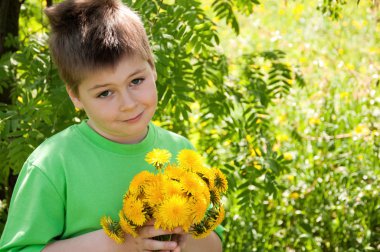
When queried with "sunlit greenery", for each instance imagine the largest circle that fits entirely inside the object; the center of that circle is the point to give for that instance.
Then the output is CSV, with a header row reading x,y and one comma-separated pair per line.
x,y
329,197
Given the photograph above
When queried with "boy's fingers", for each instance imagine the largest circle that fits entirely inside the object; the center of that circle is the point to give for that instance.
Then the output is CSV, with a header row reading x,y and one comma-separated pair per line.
x,y
150,244
182,241
179,230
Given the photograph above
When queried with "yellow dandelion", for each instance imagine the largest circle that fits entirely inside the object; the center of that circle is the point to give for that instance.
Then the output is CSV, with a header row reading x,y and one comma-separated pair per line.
x,y
158,157
198,208
201,235
139,181
215,197
257,165
220,181
171,188
112,229
217,217
206,195
213,218
362,129
193,184
207,175
189,159
173,212
314,121
200,230
256,152
294,195
153,191
174,172
127,226
134,211
288,156
199,169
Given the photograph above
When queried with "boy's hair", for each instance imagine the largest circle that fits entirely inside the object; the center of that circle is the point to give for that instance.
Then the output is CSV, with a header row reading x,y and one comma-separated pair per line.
x,y
89,34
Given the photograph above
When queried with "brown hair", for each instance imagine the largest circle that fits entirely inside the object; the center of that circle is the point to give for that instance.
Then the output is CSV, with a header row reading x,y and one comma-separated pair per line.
x,y
89,34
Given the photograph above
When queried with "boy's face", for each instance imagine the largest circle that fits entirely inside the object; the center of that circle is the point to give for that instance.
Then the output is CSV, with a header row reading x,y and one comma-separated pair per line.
x,y
120,101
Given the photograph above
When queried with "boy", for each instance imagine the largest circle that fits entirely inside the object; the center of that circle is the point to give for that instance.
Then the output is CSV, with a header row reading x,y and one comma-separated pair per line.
x,y
79,175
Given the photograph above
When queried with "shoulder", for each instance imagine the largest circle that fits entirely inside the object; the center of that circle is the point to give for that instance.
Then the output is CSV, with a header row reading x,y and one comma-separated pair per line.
x,y
55,146
44,168
49,161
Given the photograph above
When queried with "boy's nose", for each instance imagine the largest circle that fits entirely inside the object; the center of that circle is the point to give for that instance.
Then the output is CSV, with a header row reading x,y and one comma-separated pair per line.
x,y
127,101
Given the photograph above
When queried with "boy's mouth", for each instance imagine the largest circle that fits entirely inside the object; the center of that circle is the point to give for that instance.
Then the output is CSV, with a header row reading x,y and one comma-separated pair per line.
x,y
134,119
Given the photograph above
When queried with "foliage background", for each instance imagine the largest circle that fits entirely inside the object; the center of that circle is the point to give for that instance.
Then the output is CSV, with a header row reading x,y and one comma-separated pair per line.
x,y
282,95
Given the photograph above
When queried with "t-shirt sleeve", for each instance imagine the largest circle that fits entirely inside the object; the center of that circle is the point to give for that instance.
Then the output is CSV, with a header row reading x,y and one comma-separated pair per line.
x,y
36,213
219,231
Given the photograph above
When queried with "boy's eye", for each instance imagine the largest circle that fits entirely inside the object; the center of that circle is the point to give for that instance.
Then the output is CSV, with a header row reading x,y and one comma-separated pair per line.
x,y
137,81
104,94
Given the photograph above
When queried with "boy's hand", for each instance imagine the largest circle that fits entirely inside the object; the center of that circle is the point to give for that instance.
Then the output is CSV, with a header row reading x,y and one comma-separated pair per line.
x,y
145,241
180,237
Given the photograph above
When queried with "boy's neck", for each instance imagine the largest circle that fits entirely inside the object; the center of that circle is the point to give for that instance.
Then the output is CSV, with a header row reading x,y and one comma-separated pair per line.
x,y
122,139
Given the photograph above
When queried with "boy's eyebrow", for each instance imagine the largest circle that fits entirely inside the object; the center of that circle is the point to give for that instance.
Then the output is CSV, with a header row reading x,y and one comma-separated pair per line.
x,y
107,84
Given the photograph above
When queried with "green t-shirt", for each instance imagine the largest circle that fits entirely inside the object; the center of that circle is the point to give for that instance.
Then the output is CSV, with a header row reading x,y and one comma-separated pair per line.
x,y
73,179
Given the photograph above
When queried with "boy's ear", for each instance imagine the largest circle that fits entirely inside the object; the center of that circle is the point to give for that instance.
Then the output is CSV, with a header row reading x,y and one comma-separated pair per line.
x,y
74,97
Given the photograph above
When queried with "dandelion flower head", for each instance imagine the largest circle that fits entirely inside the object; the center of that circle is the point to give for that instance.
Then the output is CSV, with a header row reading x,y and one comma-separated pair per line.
x,y
174,172
214,197
193,184
199,207
173,212
189,160
221,215
200,230
171,187
158,157
112,229
153,191
217,217
220,181
139,181
134,211
127,225
207,175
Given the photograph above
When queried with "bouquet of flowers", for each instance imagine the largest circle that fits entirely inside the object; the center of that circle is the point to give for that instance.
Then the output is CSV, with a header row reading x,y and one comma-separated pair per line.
x,y
186,194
